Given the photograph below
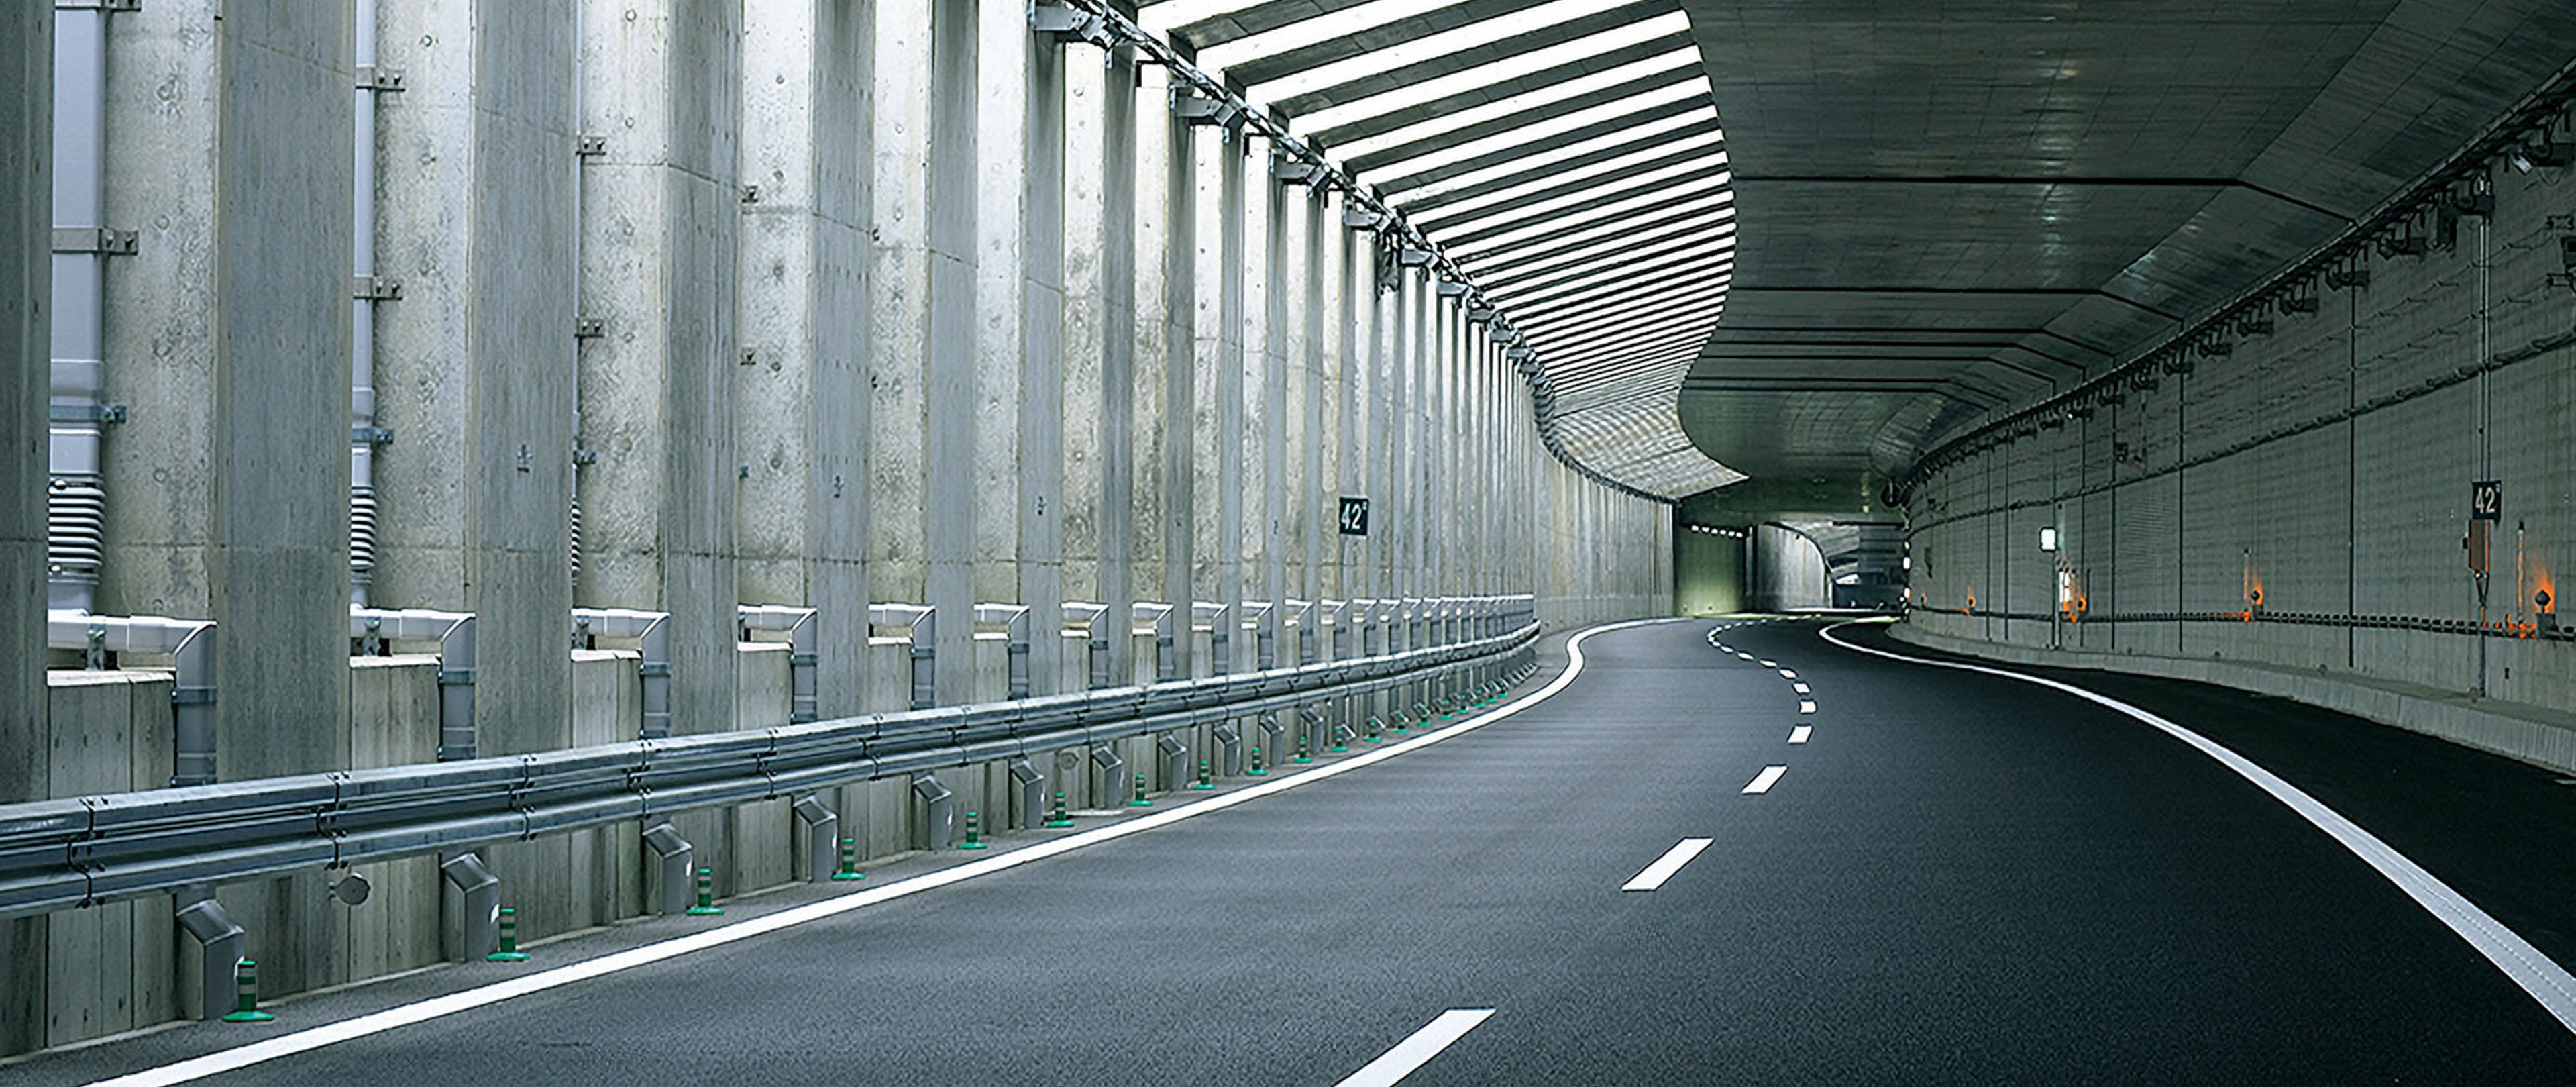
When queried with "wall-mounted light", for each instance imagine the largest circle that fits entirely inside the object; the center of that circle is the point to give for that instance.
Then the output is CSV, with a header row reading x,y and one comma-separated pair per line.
x,y
2048,538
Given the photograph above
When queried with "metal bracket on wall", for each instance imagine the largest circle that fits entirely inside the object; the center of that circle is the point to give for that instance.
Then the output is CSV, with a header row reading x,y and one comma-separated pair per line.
x,y
98,5
588,146
101,240
372,78
589,328
374,288
371,435
85,413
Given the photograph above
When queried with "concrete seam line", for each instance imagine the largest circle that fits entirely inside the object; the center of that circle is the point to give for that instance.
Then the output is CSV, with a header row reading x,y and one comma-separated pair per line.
x,y
287,1045
2546,981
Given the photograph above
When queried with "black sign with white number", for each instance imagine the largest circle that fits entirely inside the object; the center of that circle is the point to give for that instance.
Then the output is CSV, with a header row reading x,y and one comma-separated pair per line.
x,y
1354,516
2486,500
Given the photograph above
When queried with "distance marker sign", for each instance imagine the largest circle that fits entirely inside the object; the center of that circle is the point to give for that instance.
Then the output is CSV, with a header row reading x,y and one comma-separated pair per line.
x,y
1354,519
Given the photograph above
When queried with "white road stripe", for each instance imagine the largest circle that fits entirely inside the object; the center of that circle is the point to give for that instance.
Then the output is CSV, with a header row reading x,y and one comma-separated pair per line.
x,y
1770,664
1763,781
1664,866
287,1045
1418,1049
1806,707
1801,688
2546,981
1747,656
1799,734
1788,673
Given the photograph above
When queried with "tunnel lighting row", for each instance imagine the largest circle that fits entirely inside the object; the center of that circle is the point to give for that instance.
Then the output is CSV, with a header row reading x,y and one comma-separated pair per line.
x,y
2424,217
1713,530
1540,211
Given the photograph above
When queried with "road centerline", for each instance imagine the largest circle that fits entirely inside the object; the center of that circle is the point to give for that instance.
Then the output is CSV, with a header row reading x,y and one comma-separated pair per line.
x,y
1418,1048
1667,865
1799,734
1763,781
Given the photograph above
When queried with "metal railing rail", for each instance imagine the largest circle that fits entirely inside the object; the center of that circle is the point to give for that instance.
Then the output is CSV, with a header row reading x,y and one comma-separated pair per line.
x,y
72,852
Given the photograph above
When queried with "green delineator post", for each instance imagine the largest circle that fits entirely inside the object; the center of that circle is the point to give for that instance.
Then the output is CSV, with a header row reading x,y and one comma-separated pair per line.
x,y
246,981
1403,724
1256,770
974,833
1205,775
1339,747
1374,726
1140,801
1302,757
706,906
849,861
509,939
1061,819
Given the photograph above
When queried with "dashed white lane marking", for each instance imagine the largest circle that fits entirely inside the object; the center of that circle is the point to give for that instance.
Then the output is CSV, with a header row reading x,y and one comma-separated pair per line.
x,y
1417,1049
1763,781
1747,656
1664,866
1801,688
2546,981
1788,673
1799,734
1806,707
1770,664
287,1045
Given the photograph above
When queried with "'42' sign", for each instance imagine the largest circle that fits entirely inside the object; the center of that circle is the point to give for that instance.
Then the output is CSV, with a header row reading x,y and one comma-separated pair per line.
x,y
2486,500
1354,519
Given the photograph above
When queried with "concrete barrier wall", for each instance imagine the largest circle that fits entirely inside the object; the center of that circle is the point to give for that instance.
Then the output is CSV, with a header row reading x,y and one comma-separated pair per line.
x,y
2326,466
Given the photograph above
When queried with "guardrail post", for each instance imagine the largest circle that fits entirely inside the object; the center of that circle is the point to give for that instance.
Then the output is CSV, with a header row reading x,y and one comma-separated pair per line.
x,y
938,811
1159,615
799,623
1220,640
1014,619
1032,787
220,943
479,931
1176,760
674,859
822,836
1094,621
1109,773
1229,748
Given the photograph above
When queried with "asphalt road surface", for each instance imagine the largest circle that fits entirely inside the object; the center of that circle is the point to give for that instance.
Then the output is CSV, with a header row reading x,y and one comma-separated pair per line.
x,y
1899,875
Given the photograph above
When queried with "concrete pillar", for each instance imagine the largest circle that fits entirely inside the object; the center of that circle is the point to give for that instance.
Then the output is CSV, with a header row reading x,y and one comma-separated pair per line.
x,y
801,413
660,213
1168,422
1309,516
26,190
475,363
899,303
1087,251
1024,96
954,429
1267,375
1216,411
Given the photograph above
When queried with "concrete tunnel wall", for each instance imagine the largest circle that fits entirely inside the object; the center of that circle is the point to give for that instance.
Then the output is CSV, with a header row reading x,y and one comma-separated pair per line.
x,y
2176,505
808,302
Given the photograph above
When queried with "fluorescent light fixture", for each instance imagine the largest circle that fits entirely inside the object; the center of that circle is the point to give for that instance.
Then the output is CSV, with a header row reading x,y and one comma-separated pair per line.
x,y
1524,102
1578,196
1315,31
1427,47
1486,75
2048,538
1540,160
1572,179
1590,117
1666,196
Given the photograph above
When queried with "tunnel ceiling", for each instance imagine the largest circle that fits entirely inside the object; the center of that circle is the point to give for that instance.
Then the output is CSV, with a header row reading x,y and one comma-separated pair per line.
x,y
1950,206
1564,154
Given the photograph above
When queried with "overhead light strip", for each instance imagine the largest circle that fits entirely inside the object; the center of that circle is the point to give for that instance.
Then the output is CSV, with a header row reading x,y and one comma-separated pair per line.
x,y
1667,196
1317,30
1540,160
1611,188
1517,66
1425,48
1693,89
1524,102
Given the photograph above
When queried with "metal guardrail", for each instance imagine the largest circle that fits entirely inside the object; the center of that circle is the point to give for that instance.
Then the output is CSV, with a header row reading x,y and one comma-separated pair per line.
x,y
66,853
2545,628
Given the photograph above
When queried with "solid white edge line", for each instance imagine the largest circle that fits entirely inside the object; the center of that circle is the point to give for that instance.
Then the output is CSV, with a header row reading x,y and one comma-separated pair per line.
x,y
2546,981
1418,1048
1665,866
312,1038
1763,781
1799,734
